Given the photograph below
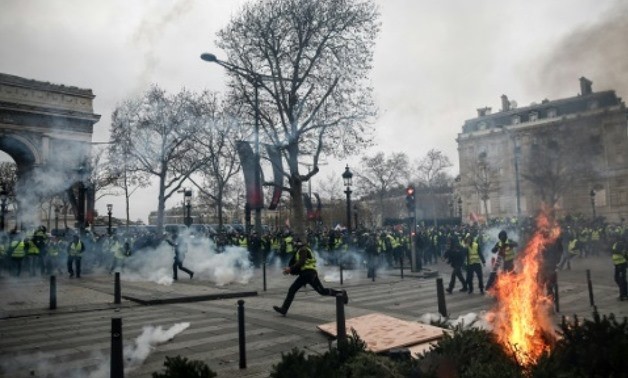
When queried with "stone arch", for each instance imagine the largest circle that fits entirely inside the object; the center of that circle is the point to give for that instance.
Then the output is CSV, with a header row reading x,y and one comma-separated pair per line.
x,y
47,129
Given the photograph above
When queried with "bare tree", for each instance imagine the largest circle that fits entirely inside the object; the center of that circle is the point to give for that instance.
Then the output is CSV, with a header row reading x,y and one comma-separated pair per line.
x,y
431,174
310,61
380,173
216,142
331,186
155,133
554,163
482,180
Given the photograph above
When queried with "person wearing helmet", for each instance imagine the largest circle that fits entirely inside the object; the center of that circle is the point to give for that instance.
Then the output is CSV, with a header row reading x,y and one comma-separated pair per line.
x,y
304,266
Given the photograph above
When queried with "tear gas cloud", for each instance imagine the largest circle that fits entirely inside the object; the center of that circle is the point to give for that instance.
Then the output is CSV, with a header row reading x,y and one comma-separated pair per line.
x,y
49,364
155,264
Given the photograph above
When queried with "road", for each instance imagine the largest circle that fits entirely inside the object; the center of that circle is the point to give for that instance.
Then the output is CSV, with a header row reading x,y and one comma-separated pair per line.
x,y
74,340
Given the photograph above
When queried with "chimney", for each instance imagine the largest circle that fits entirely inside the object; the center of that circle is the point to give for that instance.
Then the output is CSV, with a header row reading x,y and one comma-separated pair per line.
x,y
505,103
585,86
484,111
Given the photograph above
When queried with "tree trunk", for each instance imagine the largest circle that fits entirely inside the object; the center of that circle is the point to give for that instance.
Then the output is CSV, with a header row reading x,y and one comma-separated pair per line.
x,y
161,205
298,218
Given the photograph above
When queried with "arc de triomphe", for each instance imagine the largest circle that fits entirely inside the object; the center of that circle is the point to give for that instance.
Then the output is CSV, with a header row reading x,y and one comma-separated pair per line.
x,y
47,129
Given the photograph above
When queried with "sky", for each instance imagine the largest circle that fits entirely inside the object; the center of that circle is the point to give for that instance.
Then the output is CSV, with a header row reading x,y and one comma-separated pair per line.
x,y
435,62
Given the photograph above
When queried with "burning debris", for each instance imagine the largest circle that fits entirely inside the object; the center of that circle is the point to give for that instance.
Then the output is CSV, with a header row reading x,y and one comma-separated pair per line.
x,y
522,320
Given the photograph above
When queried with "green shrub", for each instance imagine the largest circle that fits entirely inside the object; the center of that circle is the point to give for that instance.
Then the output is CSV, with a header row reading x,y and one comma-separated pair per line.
x,y
592,348
468,353
181,367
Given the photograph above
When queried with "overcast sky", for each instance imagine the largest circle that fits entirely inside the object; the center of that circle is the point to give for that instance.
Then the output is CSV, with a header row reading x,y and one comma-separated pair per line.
x,y
435,61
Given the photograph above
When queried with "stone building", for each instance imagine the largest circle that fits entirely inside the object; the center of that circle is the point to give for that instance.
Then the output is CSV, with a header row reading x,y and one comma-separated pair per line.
x,y
571,153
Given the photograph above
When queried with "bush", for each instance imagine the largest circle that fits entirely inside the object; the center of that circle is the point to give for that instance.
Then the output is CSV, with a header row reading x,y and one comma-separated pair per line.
x,y
592,348
181,367
468,353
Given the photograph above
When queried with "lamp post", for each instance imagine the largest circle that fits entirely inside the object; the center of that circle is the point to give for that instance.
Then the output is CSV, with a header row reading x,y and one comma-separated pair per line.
x,y
3,207
517,183
347,178
592,194
355,217
81,200
57,210
109,209
187,200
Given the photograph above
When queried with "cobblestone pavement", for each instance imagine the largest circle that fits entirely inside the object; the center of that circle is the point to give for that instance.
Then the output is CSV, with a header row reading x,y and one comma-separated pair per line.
x,y
74,340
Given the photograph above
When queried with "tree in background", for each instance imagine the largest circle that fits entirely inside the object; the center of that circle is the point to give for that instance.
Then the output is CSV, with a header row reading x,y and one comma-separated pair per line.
x,y
431,173
554,164
155,133
216,144
313,96
378,174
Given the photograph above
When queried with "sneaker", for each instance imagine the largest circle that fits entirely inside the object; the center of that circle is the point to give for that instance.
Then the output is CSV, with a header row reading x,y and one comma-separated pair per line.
x,y
449,290
345,296
280,310
71,275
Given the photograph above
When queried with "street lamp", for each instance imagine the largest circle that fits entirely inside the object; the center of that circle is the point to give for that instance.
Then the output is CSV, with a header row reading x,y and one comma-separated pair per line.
x,y
187,200
81,200
347,178
517,184
255,79
592,194
57,210
3,207
109,209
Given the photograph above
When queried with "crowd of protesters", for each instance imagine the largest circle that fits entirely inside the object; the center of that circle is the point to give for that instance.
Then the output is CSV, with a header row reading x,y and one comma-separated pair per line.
x,y
465,247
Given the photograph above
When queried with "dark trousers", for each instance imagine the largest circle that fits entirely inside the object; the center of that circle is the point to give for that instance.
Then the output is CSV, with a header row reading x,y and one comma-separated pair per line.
x,y
620,279
17,265
477,269
306,277
457,273
179,265
74,261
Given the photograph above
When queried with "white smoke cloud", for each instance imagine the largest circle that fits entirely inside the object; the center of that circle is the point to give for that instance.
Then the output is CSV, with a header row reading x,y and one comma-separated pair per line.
x,y
470,320
155,264
47,364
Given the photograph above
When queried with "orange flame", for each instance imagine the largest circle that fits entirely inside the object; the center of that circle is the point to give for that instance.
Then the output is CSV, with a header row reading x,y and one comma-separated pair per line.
x,y
522,321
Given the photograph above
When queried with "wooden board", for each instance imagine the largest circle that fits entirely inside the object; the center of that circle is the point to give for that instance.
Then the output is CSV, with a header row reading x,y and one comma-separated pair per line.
x,y
382,332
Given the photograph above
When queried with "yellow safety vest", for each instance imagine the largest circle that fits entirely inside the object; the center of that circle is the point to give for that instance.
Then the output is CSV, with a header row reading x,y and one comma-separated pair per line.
x,y
32,249
473,254
310,261
18,249
75,249
509,252
618,256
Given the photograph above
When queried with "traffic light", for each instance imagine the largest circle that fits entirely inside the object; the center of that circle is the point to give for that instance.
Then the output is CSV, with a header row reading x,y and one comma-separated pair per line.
x,y
410,201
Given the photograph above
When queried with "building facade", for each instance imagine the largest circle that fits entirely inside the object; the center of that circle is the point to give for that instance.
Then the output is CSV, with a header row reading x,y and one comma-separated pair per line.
x,y
570,153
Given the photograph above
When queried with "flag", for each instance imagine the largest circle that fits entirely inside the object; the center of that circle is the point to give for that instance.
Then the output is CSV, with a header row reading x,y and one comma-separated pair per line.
x,y
252,175
275,160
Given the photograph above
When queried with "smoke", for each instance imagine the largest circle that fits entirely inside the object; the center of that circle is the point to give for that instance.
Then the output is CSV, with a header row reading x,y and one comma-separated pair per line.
x,y
155,264
151,30
467,321
597,51
49,365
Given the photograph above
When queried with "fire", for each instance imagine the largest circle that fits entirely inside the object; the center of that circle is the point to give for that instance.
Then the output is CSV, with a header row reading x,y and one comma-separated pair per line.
x,y
522,321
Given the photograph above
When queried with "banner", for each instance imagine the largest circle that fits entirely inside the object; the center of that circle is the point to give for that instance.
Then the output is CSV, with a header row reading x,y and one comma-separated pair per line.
x,y
252,175
275,160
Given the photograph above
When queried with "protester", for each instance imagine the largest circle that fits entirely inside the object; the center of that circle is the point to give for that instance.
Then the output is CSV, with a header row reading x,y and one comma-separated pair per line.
x,y
304,266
